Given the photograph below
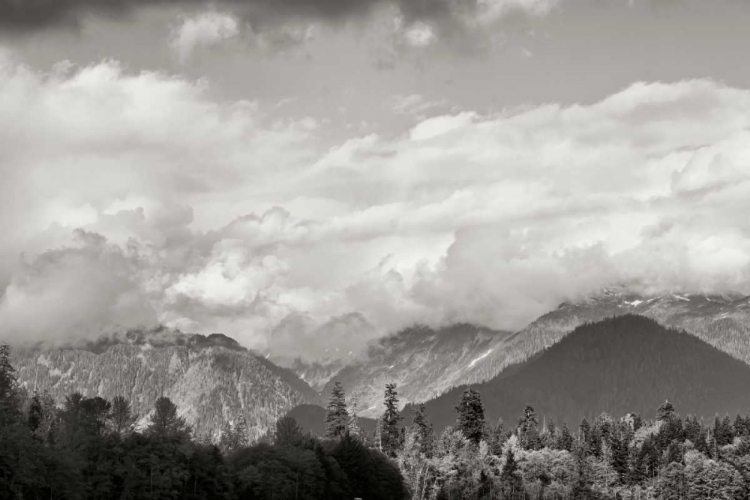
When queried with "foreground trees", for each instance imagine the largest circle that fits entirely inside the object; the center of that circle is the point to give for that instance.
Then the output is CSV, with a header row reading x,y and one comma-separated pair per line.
x,y
88,449
609,458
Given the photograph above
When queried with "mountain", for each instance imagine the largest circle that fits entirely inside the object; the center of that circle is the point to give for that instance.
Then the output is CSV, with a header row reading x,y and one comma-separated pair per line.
x,y
426,362
423,362
626,363
211,379
721,320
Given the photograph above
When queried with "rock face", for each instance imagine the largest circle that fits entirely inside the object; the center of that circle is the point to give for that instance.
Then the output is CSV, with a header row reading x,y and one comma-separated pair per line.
x,y
423,363
211,379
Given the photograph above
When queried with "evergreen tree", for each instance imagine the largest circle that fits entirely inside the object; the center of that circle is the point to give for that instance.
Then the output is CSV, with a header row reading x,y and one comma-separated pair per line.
x,y
585,435
528,430
497,438
665,411
337,416
619,458
165,423
353,425
425,431
510,478
471,416
121,417
36,413
566,439
288,432
390,436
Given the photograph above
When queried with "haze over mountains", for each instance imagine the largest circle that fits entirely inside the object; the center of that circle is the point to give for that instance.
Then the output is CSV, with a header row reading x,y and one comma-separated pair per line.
x,y
213,379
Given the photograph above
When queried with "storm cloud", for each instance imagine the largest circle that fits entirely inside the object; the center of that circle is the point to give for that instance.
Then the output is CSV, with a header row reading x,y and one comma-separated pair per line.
x,y
28,16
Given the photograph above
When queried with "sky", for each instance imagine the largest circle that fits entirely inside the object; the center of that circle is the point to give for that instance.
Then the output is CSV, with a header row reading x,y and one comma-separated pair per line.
x,y
307,176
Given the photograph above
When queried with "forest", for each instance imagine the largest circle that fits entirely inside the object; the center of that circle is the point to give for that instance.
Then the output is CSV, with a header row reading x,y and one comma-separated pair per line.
x,y
89,448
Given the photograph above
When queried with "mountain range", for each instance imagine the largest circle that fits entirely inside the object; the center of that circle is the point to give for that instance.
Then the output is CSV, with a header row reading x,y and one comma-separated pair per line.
x,y
425,362
619,365
213,379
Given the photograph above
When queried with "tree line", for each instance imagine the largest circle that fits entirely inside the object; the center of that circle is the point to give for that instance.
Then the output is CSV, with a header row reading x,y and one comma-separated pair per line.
x,y
626,458
91,448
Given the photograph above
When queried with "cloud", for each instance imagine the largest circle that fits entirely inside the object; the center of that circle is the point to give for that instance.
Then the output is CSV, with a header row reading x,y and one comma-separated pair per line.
x,y
418,16
206,29
134,199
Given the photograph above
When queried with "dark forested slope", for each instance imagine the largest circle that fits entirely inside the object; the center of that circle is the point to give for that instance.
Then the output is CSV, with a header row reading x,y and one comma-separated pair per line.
x,y
619,365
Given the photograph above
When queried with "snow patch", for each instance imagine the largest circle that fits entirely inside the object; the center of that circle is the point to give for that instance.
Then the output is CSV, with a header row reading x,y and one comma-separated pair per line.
x,y
680,297
634,302
476,360
55,372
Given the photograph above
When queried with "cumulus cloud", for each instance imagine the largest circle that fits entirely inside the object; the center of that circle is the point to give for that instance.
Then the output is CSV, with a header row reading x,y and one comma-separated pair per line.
x,y
134,199
206,29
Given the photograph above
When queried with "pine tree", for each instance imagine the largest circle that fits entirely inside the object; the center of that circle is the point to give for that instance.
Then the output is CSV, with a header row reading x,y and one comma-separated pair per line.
x,y
288,432
425,432
121,418
584,435
665,411
619,459
471,416
337,417
497,438
165,423
353,425
390,433
36,413
528,431
566,439
510,478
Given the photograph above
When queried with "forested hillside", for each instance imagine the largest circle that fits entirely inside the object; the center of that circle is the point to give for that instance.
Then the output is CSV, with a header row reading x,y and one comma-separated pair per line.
x,y
623,364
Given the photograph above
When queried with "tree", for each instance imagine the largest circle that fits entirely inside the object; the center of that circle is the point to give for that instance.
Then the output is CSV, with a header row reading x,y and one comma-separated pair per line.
x,y
510,479
425,432
36,413
165,423
234,435
497,438
353,425
288,432
121,418
566,439
337,417
528,431
665,411
390,434
471,416
585,435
